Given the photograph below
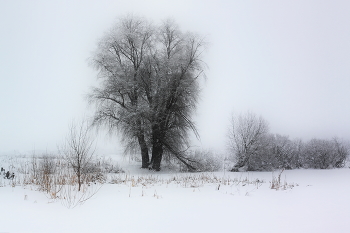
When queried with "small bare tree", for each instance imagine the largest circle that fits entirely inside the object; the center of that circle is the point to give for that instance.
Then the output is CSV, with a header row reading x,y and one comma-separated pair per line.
x,y
245,137
78,149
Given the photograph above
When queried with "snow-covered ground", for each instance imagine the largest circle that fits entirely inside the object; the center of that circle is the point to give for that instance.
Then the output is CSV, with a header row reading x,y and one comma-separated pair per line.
x,y
315,201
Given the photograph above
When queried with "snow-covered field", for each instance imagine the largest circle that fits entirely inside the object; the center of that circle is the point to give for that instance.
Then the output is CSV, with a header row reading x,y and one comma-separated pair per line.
x,y
314,201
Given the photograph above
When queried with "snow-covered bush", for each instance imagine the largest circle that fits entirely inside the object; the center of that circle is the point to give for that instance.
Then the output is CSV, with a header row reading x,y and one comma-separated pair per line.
x,y
265,158
285,151
277,152
204,161
323,154
268,154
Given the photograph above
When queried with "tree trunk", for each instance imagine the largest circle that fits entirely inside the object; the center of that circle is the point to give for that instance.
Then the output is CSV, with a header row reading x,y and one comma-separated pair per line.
x,y
144,151
157,147
79,181
157,154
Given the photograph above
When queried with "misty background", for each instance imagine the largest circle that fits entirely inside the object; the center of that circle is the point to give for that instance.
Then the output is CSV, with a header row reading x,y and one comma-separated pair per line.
x,y
286,61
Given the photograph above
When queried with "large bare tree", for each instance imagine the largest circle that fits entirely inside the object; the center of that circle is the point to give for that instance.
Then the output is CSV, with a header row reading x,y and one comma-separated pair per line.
x,y
150,86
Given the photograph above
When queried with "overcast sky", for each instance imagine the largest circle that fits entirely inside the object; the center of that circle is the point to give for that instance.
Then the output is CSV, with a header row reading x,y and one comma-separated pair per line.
x,y
288,61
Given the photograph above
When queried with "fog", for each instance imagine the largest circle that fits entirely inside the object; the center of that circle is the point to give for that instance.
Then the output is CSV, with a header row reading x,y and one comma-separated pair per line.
x,y
288,61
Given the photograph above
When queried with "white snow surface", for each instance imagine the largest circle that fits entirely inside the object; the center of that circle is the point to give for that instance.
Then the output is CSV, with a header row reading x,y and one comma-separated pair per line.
x,y
318,202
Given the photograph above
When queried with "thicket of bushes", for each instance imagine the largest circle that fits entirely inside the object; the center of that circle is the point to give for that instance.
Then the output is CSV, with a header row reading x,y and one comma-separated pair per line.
x,y
253,148
278,152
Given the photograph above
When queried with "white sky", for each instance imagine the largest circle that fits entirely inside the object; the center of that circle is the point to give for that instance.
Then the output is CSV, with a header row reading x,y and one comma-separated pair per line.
x,y
288,61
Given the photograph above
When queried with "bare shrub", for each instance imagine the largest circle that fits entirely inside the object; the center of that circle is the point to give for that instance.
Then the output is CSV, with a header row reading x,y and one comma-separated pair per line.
x,y
71,197
277,184
34,166
47,165
263,158
323,154
276,152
